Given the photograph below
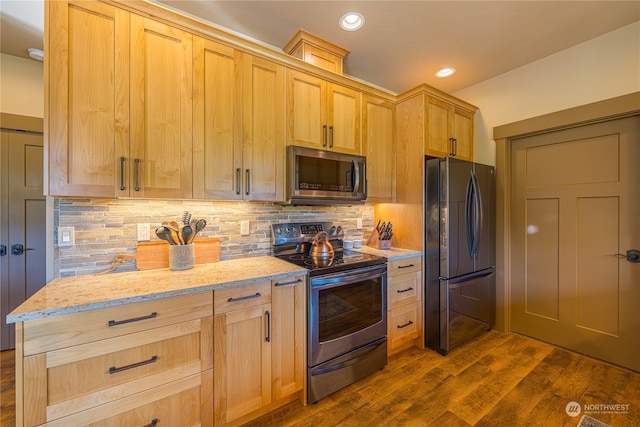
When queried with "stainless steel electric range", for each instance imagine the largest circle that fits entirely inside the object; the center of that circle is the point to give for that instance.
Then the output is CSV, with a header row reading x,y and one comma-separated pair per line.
x,y
347,305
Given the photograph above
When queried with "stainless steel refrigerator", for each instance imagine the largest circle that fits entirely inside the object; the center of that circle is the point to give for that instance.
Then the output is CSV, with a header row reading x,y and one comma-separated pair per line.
x,y
460,252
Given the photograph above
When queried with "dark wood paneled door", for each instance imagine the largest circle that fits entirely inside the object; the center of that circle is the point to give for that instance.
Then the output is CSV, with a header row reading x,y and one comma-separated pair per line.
x,y
575,224
22,224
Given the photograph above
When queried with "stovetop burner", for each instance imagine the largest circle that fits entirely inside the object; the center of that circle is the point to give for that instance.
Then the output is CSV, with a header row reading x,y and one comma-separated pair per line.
x,y
292,243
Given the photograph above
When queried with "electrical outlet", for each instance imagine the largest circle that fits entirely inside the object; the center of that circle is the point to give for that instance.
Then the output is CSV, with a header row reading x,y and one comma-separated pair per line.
x,y
244,228
66,236
359,223
144,233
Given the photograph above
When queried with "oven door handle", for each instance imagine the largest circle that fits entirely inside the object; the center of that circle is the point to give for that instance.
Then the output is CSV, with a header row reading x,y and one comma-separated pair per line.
x,y
369,347
348,276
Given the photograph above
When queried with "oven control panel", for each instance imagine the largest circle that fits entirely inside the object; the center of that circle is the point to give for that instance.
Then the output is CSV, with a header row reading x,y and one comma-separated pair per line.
x,y
302,232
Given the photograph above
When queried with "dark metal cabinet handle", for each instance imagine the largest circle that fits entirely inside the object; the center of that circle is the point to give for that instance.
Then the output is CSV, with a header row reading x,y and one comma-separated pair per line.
x,y
3,250
454,147
114,370
135,319
248,172
137,174
288,283
121,173
409,323
268,338
324,135
238,178
330,136
404,290
406,266
257,295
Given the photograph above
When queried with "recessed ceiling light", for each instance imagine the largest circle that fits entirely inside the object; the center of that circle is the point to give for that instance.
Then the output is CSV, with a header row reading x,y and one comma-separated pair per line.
x,y
351,21
445,72
36,54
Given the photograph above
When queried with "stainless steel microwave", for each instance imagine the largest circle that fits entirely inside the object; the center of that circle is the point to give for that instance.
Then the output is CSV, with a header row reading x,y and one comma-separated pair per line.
x,y
318,177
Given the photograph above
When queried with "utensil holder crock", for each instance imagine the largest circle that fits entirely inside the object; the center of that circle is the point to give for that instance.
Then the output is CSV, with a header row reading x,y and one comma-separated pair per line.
x,y
182,257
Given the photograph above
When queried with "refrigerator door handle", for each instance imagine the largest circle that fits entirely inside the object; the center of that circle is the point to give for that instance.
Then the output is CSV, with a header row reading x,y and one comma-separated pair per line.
x,y
478,213
468,213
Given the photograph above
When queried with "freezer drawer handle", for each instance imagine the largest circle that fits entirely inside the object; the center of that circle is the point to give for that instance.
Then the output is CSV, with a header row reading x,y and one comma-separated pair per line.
x,y
406,266
135,319
404,290
257,295
409,323
114,370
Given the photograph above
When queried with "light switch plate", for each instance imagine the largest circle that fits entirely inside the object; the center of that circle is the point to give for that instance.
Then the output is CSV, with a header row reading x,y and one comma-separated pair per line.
x,y
66,236
244,228
359,223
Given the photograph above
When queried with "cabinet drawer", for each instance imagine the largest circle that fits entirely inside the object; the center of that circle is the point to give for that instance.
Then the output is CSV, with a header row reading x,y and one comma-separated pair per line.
x,y
403,324
240,297
79,328
404,289
405,265
176,403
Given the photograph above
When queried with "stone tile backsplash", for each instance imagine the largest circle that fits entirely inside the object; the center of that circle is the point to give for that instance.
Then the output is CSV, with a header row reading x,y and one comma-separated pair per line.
x,y
105,227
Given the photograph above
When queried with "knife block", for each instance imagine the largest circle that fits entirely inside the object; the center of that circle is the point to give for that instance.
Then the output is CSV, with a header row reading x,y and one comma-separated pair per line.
x,y
375,242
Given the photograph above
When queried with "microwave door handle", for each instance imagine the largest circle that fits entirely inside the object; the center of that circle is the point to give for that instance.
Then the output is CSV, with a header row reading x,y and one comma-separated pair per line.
x,y
355,176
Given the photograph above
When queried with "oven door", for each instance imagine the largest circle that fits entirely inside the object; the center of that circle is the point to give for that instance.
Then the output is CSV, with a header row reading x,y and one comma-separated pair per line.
x,y
347,310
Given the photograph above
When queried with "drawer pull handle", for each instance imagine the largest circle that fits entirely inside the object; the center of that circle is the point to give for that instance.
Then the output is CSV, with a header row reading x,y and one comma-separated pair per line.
x,y
114,370
288,283
257,295
404,290
406,266
409,323
154,423
135,319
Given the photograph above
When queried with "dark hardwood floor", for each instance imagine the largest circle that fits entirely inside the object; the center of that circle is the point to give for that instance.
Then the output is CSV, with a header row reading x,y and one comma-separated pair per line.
x,y
496,380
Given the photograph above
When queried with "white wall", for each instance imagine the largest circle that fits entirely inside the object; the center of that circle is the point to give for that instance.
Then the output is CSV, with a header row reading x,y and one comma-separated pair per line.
x,y
598,69
21,86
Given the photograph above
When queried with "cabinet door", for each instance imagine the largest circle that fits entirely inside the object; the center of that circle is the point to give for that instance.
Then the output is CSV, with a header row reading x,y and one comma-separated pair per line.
x,y
242,362
437,138
264,129
306,110
88,105
161,110
217,161
378,132
462,131
289,336
343,119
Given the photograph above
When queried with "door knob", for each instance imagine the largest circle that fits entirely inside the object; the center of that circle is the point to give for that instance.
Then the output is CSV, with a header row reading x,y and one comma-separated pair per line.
x,y
19,249
633,255
3,250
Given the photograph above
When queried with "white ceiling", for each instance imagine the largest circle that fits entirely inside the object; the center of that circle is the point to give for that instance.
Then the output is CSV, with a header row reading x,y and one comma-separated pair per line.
x,y
403,43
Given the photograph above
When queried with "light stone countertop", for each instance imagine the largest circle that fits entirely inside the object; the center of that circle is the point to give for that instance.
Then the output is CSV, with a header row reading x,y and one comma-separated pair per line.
x,y
75,294
390,254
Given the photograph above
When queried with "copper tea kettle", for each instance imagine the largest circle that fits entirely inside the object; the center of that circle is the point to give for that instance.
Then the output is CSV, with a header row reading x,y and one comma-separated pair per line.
x,y
321,248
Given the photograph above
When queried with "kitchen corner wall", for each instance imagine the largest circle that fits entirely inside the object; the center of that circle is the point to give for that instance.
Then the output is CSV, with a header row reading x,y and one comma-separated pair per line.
x,y
105,228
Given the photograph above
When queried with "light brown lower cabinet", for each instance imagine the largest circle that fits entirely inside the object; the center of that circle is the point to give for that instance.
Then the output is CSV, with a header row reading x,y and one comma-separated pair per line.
x,y
145,363
404,304
259,348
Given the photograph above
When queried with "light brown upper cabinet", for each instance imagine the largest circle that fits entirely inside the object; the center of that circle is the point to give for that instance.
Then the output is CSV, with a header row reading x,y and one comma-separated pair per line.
x,y
322,114
378,140
161,110
239,146
449,130
87,113
120,104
